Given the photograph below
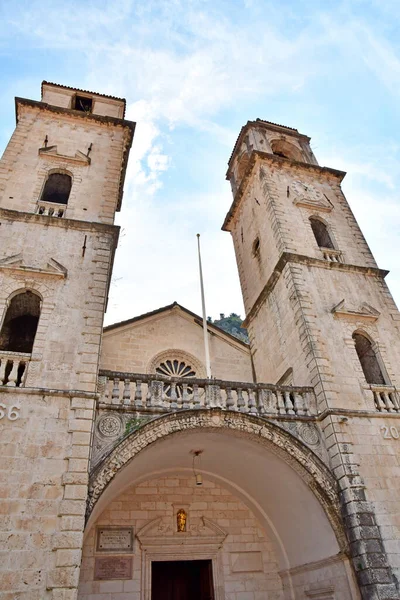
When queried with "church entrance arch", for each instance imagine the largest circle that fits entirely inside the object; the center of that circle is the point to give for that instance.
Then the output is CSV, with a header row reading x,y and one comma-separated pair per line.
x,y
287,488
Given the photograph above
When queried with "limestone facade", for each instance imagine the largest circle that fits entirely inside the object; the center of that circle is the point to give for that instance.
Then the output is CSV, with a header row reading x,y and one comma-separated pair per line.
x,y
285,464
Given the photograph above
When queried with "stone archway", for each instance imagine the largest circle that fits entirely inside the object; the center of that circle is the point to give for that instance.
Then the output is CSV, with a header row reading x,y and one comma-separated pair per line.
x,y
280,442
287,488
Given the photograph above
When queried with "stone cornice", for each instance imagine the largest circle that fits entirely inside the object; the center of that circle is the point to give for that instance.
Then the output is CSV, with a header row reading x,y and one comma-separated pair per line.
x,y
288,257
277,161
43,392
27,217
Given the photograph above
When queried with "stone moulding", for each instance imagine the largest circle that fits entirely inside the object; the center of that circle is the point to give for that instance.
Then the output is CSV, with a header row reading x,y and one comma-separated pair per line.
x,y
364,313
305,462
15,263
51,152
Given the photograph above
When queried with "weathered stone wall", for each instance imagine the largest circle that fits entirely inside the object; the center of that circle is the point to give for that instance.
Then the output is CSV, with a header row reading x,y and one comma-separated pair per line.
x,y
66,347
43,475
95,186
45,427
173,333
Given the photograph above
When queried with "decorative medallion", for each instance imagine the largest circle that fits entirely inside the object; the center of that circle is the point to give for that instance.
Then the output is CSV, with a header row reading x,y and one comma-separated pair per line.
x,y
109,426
309,433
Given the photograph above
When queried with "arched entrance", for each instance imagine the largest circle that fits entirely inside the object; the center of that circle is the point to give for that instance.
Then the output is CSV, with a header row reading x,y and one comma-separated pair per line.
x,y
269,481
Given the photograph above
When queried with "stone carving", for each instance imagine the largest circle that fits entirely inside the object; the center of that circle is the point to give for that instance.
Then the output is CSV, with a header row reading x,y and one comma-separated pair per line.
x,y
309,433
109,426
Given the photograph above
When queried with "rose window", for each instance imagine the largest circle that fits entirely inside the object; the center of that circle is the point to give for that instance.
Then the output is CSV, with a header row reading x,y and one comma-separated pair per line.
x,y
176,368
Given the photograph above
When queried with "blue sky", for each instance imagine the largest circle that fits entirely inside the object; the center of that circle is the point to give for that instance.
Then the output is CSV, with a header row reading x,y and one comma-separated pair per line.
x,y
193,72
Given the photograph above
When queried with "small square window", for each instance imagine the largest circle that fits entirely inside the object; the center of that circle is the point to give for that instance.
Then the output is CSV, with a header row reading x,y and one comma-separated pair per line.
x,y
83,103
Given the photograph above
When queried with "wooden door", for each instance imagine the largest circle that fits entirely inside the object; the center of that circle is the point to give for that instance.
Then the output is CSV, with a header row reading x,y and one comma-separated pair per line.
x,y
182,580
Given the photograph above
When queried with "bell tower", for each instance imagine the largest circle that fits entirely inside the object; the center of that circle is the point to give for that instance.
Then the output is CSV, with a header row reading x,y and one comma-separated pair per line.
x,y
61,182
319,313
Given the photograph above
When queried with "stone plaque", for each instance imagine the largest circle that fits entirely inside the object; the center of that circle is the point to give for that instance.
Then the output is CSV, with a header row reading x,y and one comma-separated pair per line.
x,y
115,539
246,562
113,567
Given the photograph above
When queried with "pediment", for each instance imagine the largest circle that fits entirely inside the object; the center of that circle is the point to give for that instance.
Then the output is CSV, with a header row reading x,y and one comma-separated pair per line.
x,y
78,158
14,259
321,203
160,532
365,312
16,262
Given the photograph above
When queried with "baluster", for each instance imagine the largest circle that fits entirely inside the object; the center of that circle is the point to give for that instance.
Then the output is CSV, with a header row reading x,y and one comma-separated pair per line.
x,y
173,396
387,401
288,403
252,402
102,387
298,403
12,378
126,396
185,396
3,370
378,401
241,405
196,396
268,401
260,401
115,391
230,403
149,397
280,402
157,388
395,401
138,395
216,395
207,393
23,373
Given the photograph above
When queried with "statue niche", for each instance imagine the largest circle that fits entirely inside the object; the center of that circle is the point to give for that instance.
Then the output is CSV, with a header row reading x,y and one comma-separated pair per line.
x,y
181,518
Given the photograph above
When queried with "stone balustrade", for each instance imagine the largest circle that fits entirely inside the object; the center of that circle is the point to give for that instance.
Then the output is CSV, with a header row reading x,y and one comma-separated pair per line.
x,y
332,255
386,398
155,393
51,209
13,368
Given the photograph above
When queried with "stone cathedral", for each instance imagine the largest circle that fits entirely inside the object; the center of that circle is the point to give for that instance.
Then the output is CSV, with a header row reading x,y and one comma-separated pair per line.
x,y
127,474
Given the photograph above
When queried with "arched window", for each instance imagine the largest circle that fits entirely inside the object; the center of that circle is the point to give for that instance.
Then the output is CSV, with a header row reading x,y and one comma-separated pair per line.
x,y
285,149
57,188
321,233
176,368
20,323
369,362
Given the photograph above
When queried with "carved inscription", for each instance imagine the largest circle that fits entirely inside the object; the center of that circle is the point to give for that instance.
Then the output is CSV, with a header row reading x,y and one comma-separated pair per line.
x,y
113,567
390,432
11,413
115,539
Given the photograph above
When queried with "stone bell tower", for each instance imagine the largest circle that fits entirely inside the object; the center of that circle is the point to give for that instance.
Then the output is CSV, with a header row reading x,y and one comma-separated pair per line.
x,y
61,181
319,313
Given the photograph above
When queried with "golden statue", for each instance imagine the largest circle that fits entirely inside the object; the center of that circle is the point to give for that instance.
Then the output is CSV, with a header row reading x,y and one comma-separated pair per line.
x,y
181,518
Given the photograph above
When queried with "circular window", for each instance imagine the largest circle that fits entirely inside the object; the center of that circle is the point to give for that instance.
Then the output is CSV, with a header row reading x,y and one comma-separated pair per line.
x,y
175,368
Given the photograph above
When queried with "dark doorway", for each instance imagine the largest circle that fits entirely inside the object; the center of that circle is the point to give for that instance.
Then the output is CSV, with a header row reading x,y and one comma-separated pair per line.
x,y
182,580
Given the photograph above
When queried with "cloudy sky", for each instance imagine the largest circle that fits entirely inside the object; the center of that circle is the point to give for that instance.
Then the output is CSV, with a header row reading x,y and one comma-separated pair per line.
x,y
193,72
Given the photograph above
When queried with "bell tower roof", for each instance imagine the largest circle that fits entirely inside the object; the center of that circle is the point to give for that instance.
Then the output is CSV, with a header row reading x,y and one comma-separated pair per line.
x,y
265,125
86,101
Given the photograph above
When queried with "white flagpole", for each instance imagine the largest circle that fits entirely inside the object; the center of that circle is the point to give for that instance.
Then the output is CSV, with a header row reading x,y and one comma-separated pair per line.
x,y
203,304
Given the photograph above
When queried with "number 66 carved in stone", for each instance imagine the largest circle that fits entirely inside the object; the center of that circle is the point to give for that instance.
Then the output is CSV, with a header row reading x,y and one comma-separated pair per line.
x,y
12,413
